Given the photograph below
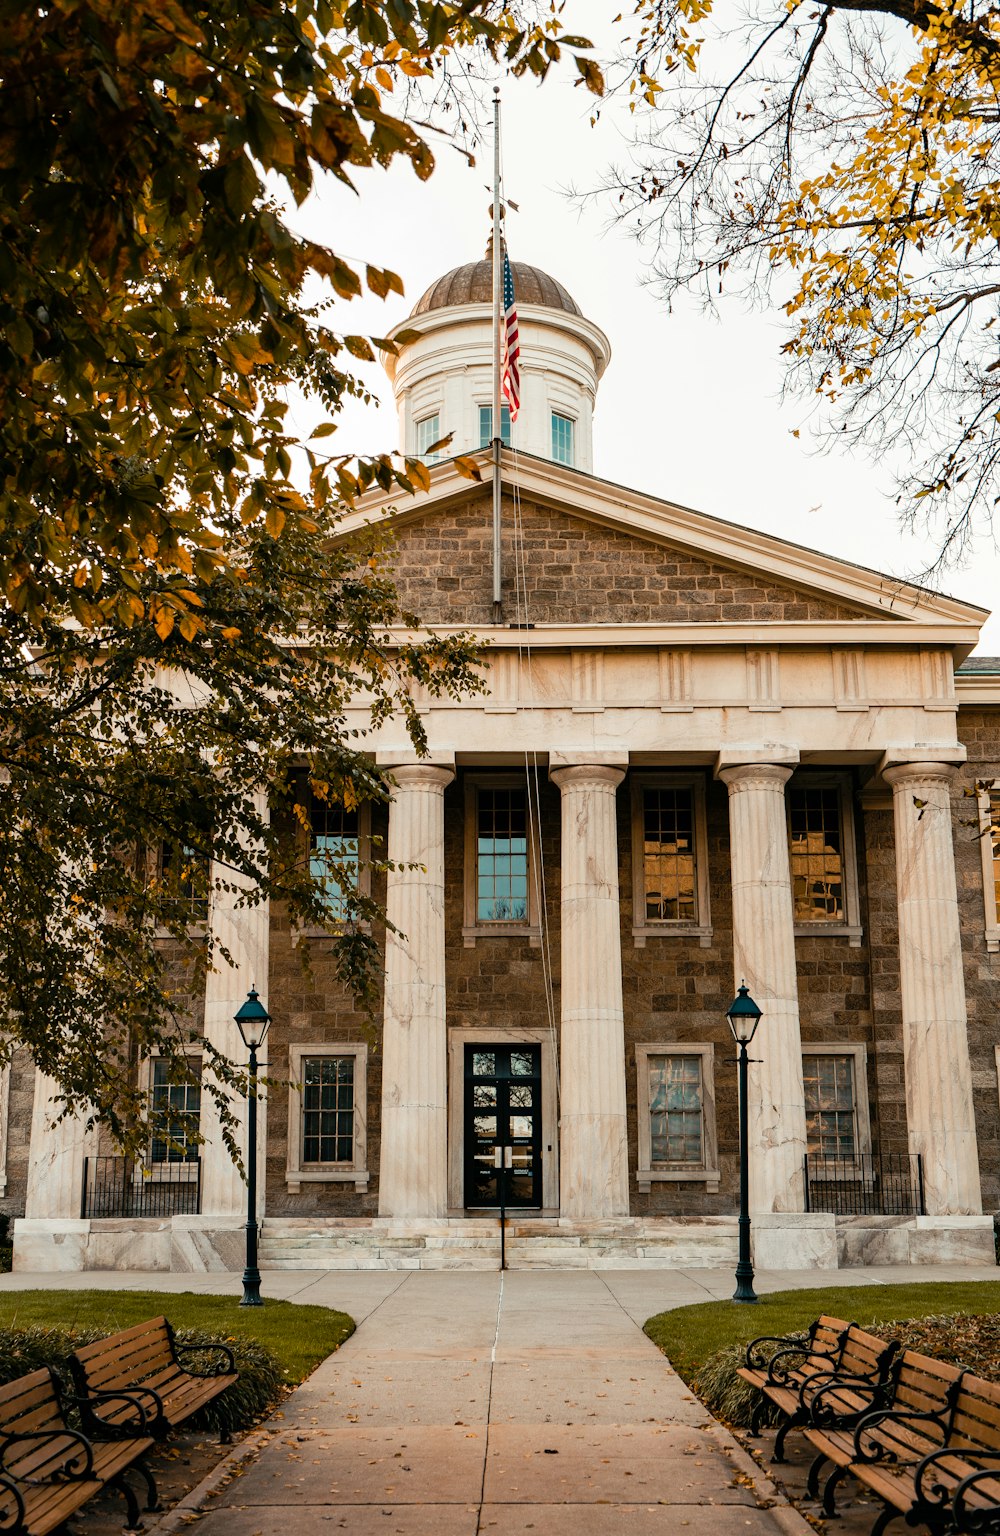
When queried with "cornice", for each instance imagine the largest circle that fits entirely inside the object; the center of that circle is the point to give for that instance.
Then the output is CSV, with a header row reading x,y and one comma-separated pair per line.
x,y
862,633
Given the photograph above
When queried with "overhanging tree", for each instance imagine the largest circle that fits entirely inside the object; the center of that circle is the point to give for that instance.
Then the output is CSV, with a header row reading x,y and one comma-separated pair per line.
x,y
841,158
180,621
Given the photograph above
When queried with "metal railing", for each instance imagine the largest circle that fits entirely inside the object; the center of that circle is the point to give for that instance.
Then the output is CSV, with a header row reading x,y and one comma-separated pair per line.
x,y
119,1186
866,1184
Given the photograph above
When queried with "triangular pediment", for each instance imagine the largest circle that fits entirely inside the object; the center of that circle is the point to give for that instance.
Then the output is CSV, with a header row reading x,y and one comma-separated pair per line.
x,y
581,551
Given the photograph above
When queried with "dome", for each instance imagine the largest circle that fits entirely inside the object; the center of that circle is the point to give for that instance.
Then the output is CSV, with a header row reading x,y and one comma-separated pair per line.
x,y
473,284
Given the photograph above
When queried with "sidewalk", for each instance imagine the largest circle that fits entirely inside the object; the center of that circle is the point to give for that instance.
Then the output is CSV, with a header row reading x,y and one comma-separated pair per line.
x,y
469,1406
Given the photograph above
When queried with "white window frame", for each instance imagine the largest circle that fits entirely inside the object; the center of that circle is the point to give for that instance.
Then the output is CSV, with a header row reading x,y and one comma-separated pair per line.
x,y
670,927
708,1173
423,421
485,405
850,928
473,928
862,1115
563,415
298,1173
991,922
313,931
164,1173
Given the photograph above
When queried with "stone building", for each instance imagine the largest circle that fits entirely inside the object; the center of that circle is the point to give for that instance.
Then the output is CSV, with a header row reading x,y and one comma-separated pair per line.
x,y
701,755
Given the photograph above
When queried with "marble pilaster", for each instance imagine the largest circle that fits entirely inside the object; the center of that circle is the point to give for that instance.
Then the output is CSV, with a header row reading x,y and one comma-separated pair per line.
x,y
593,1144
413,1179
764,957
56,1155
938,1072
242,930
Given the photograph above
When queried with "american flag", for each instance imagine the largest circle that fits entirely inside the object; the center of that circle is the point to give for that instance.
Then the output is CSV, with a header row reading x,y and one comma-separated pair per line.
x,y
510,347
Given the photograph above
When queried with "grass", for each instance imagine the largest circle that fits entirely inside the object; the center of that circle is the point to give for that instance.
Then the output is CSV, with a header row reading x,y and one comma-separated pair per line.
x,y
300,1337
689,1336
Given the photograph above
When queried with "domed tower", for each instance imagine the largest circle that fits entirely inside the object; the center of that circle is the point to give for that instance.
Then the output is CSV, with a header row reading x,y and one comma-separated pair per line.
x,y
443,382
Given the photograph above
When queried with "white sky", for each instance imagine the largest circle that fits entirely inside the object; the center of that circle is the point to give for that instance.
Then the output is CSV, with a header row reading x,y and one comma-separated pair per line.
x,y
689,407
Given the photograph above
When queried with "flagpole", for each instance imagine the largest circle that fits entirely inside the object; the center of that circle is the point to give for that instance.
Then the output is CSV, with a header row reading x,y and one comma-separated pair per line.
x,y
497,418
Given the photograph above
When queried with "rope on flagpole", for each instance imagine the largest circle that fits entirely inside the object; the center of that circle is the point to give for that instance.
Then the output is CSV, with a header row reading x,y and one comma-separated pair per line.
x,y
497,427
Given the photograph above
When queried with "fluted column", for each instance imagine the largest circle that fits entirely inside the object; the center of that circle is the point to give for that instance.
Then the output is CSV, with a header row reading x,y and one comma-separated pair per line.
x,y
942,1125
56,1155
413,1177
244,931
593,1143
764,957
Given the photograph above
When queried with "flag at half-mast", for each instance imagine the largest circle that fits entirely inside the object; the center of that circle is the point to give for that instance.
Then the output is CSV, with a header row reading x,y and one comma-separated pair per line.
x,y
510,346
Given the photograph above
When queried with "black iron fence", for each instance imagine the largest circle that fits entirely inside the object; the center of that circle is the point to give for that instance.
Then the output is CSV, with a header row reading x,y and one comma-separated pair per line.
x,y
119,1186
867,1184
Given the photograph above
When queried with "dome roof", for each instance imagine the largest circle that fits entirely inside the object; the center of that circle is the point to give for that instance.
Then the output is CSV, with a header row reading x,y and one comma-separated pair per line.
x,y
473,284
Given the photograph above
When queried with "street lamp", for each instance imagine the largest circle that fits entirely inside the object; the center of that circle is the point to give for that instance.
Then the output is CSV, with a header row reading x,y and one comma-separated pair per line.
x,y
744,1016
252,1021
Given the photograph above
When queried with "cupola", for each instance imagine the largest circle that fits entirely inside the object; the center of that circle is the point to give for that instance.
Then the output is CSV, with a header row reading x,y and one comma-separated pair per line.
x,y
443,380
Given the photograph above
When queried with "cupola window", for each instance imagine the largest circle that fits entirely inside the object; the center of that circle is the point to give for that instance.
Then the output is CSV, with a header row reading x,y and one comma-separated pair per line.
x,y
562,438
486,425
428,433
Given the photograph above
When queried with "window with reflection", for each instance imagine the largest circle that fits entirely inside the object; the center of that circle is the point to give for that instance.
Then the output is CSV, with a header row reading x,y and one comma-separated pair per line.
x,y
428,432
562,438
327,1119
669,884
501,855
676,1111
334,858
174,1110
486,425
816,853
831,1106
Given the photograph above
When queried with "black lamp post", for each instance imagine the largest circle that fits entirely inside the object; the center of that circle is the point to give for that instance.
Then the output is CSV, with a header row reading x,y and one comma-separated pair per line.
x,y
744,1016
252,1021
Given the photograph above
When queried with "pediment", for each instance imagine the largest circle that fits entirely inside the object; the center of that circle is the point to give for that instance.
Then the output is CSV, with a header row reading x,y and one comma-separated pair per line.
x,y
581,551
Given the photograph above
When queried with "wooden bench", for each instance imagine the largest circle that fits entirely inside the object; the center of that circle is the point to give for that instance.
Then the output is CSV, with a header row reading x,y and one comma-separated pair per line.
x,y
143,1363
924,1388
832,1351
49,1471
935,1467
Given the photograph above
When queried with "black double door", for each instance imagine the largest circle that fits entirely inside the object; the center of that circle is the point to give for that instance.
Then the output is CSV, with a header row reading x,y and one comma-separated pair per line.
x,y
503,1110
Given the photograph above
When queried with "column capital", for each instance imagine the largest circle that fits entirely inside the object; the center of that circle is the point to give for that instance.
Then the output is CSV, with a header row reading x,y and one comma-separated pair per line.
x,y
421,775
762,754
583,775
752,775
900,765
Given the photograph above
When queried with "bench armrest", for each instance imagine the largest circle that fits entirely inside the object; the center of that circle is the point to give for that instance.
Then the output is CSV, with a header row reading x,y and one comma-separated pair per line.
x,y
818,1396
225,1365
871,1422
78,1466
800,1342
977,1518
11,1519
89,1404
936,1495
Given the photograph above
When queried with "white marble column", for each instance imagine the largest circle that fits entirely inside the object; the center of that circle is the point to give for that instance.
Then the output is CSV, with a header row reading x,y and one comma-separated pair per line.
x,y
413,1176
593,1141
764,957
939,1109
244,931
56,1156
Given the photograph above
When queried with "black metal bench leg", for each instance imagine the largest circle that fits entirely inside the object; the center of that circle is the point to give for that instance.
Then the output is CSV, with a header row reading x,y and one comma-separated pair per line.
x,y
812,1485
829,1502
225,1436
794,1421
127,1492
888,1513
153,1504
756,1417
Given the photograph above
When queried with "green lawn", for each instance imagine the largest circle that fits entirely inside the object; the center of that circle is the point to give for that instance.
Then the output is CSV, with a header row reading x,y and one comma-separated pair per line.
x,y
300,1336
689,1335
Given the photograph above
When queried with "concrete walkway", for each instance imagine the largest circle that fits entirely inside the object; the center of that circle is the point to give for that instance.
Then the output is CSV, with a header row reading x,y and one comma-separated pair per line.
x,y
470,1404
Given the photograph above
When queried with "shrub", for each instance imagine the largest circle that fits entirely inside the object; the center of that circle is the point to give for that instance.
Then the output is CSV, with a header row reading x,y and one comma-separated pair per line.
x,y
260,1386
725,1393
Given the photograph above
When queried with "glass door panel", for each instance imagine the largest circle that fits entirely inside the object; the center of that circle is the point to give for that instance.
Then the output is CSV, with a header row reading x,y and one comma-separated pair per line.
x,y
503,1111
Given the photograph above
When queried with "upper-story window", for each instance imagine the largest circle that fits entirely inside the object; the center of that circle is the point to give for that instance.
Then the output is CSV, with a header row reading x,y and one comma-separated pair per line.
x,y
821,856
428,432
182,874
499,858
486,425
562,438
334,857
989,843
669,857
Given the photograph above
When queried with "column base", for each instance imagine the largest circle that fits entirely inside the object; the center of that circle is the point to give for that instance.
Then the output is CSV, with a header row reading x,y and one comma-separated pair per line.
x,y
915,1240
794,1240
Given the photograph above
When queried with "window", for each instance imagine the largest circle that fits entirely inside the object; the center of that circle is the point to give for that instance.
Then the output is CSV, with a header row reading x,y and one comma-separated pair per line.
x,y
428,433
174,1098
989,842
676,1114
835,1079
486,425
669,857
821,856
182,876
327,1113
562,438
499,858
334,854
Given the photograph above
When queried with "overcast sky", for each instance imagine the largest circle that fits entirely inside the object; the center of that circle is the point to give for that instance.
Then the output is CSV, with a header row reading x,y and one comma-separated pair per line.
x,y
689,408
